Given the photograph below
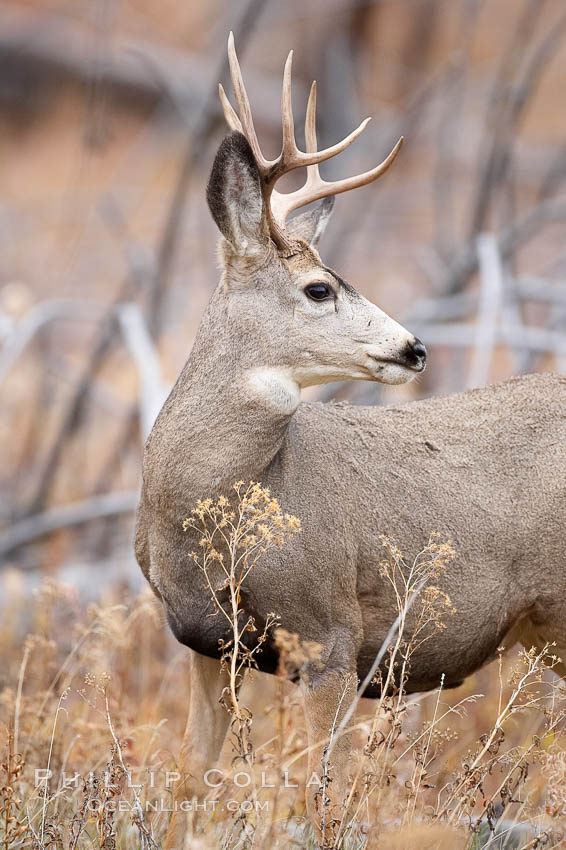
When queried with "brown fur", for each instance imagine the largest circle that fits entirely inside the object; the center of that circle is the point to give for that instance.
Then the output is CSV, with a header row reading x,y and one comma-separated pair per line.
x,y
484,469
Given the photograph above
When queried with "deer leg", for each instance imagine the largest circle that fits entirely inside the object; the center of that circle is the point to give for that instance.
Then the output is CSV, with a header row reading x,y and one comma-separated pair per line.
x,y
538,635
327,697
207,725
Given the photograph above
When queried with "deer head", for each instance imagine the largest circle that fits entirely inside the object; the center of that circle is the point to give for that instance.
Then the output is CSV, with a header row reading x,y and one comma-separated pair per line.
x,y
299,322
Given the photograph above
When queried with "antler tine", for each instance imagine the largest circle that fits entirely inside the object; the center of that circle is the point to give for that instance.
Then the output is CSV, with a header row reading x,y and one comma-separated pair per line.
x,y
279,200
318,188
333,150
229,112
244,109
310,134
291,157
289,149
278,206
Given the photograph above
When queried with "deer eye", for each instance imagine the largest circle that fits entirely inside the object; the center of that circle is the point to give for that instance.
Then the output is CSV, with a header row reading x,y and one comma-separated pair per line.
x,y
319,291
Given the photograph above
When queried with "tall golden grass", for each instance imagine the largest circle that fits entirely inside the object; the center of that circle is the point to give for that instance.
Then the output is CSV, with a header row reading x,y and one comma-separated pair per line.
x,y
93,703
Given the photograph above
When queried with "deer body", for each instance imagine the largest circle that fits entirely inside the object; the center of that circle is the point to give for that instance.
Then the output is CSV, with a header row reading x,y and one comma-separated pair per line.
x,y
483,469
450,465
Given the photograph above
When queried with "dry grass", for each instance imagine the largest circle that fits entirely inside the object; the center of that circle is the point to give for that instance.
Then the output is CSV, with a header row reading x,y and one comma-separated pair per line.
x,y
95,698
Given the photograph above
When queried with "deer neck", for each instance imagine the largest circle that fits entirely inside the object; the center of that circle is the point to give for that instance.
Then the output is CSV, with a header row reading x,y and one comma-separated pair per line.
x,y
233,414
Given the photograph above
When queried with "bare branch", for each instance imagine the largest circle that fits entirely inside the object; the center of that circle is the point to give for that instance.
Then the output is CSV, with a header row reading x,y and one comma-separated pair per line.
x,y
153,390
33,527
200,130
491,290
39,316
514,237
461,335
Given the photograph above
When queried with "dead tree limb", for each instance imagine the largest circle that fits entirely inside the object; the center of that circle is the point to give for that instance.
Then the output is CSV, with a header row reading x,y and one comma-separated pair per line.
x,y
35,319
463,335
514,237
55,519
72,415
158,276
152,388
198,136
494,168
452,307
491,291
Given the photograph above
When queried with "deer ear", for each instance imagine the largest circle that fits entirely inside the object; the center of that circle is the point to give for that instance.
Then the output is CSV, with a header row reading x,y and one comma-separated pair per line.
x,y
234,195
311,224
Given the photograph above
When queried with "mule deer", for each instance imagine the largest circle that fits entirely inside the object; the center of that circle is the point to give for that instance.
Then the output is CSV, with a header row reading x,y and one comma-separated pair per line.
x,y
483,468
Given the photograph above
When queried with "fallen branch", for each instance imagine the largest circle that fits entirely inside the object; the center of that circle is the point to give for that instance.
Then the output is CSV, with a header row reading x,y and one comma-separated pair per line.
x,y
511,239
98,507
491,292
462,304
459,334
36,318
153,390
156,276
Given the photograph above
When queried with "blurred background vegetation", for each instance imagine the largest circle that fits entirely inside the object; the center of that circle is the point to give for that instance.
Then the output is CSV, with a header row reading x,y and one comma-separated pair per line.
x,y
109,122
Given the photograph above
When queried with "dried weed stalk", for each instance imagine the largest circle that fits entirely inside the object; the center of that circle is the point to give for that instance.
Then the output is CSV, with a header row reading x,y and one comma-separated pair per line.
x,y
233,536
15,827
446,769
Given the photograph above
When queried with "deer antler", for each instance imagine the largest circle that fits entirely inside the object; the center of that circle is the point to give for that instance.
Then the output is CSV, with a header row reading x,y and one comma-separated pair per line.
x,y
278,205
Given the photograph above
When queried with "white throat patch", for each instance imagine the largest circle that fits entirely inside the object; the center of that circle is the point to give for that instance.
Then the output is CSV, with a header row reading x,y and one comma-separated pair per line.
x,y
275,387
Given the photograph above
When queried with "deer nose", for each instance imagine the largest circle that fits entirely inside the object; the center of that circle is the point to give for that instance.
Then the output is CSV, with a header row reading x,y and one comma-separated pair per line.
x,y
416,352
419,349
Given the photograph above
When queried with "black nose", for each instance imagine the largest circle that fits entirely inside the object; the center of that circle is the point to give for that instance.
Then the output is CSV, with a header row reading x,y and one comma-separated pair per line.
x,y
416,354
419,349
